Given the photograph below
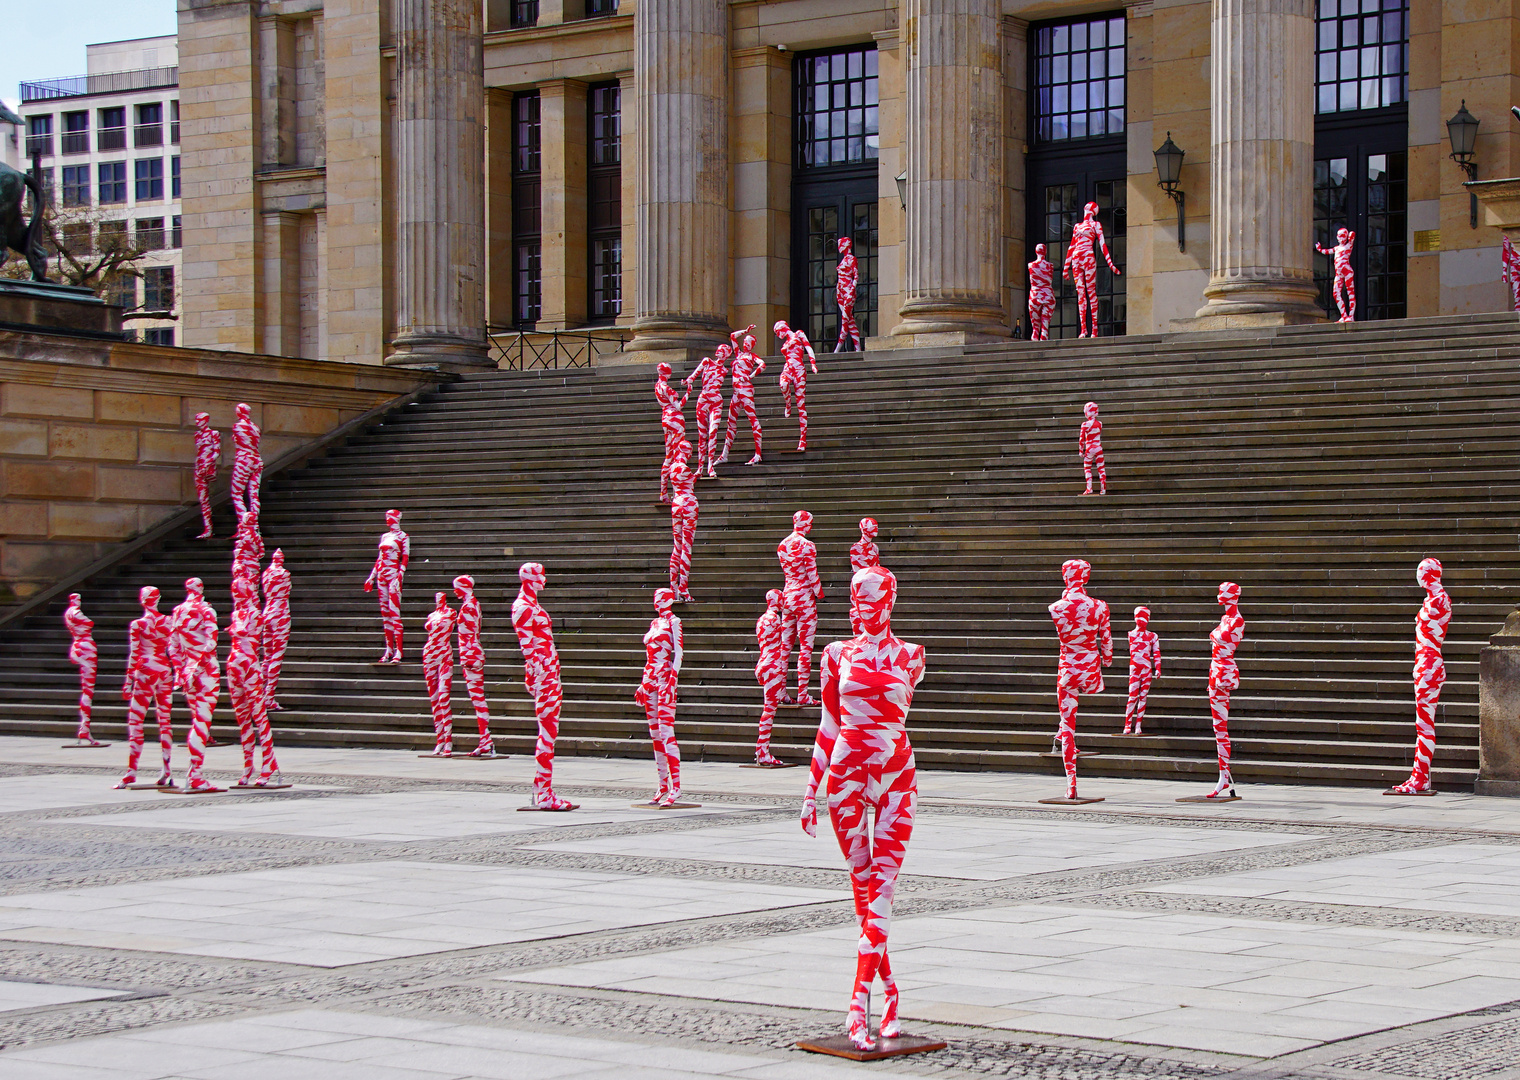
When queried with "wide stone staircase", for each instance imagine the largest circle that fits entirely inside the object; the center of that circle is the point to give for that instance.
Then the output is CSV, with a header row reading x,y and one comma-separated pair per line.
x,y
1315,466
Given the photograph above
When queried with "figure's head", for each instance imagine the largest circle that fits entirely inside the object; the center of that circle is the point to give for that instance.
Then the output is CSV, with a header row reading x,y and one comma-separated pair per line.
x,y
664,601
250,522
873,591
1039,251
75,599
663,370
868,528
532,575
1090,410
244,591
1341,234
1090,211
147,596
393,518
440,601
749,342
1075,572
279,557
1142,617
781,328
1429,572
195,588
678,469
243,411
724,351
464,585
802,522
844,245
773,599
203,419
1229,593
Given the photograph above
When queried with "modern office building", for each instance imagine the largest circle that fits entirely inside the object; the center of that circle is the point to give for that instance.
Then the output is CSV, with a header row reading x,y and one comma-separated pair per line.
x,y
108,143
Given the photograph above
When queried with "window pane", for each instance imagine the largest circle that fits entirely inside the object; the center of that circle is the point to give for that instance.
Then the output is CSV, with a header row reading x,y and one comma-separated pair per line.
x,y
1362,55
835,95
1079,74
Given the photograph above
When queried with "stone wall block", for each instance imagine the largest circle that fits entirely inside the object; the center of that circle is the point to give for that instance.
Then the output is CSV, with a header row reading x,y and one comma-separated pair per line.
x,y
138,485
92,443
116,407
31,399
299,419
48,480
92,521
23,438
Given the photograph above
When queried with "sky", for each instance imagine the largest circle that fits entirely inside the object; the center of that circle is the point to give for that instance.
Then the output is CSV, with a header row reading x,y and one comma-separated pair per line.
x,y
45,39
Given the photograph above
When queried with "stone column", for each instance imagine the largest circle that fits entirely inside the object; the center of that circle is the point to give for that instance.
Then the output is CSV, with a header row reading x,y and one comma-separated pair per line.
x,y
953,141
440,184
562,124
1261,176
680,131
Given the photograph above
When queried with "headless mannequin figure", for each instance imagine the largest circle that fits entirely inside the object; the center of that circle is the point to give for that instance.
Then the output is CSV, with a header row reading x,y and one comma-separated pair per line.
x,y
150,680
1144,666
799,602
1082,266
1429,674
1042,298
84,656
395,549
657,695
208,455
535,635
472,662
863,745
1086,643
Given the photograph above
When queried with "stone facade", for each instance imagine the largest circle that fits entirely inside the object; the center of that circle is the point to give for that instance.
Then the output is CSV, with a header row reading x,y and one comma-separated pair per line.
x,y
296,199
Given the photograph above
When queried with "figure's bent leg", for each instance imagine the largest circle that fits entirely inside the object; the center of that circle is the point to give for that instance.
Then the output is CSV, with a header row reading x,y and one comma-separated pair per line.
x,y
889,843
1427,694
754,428
203,494
1087,472
239,489
440,684
774,681
1219,709
475,682
137,710
88,667
807,626
657,741
847,815
547,700
735,404
1134,700
164,701
667,720
1102,472
802,416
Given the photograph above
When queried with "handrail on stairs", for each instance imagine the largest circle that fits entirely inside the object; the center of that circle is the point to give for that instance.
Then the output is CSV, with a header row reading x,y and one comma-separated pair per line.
x,y
516,349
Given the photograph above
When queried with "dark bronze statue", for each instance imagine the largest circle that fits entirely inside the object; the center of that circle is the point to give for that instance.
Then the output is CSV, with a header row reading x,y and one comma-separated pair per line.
x,y
16,232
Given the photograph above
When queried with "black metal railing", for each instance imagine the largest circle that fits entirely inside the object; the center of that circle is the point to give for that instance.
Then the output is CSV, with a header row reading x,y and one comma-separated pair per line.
x,y
549,350
107,83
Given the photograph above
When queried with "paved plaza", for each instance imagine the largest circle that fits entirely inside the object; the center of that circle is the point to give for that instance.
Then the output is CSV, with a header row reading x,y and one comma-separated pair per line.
x,y
396,918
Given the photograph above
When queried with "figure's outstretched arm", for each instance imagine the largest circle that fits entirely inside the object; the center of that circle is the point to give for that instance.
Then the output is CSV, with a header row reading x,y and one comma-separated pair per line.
x,y
1103,243
133,635
823,743
1322,249
1105,637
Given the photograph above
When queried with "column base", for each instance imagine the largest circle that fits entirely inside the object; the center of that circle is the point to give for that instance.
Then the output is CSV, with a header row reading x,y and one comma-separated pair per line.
x,y
936,339
445,353
1246,320
1236,304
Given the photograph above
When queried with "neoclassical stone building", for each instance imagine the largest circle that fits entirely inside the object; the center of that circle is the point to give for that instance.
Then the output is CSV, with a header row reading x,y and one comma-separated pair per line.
x,y
389,178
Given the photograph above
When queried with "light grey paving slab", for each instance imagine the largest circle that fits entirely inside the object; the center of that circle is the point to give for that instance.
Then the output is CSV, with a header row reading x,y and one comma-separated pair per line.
x,y
52,791
31,995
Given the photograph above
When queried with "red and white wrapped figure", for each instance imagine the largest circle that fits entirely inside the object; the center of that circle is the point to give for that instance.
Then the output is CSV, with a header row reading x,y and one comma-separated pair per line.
x,y
395,549
247,464
795,347
208,455
247,548
192,651
1510,269
672,423
770,673
1087,645
1090,443
150,680
535,636
1224,676
864,552
713,370
276,625
438,671
1144,666
863,745
801,592
1081,266
472,662
1042,297
245,682
1429,674
846,283
1343,285
84,656
657,695
746,367
683,526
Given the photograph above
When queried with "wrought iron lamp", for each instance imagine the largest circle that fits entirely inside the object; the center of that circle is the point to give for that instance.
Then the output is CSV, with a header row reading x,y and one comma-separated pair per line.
x,y
1462,130
902,188
1169,170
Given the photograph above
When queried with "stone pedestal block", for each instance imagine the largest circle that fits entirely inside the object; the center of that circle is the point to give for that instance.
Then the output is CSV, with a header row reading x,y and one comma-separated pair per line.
x,y
52,308
1499,712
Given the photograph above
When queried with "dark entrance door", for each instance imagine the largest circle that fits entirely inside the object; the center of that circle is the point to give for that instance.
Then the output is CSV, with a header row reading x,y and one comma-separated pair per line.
x,y
1060,185
822,211
1361,169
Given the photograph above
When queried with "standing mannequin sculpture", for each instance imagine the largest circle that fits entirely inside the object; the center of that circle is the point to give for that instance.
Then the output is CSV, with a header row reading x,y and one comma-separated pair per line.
x,y
438,671
395,549
245,681
795,347
746,366
799,602
864,552
472,662
863,744
1510,269
657,695
276,625
1081,266
1429,674
1224,676
683,526
192,651
1144,666
535,636
1344,284
208,455
1086,644
672,422
247,465
712,371
846,282
150,679
1090,443
770,673
84,656
1042,298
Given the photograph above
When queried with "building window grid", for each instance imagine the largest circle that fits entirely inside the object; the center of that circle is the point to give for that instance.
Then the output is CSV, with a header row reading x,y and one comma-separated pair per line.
x,y
113,236
149,176
113,181
39,135
76,185
175,232
601,7
162,335
150,125
524,13
1062,210
527,193
604,203
158,288
111,133
1383,294
174,122
174,177
823,270
1361,54
838,117
1079,79
150,233
76,133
